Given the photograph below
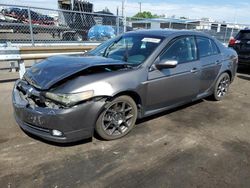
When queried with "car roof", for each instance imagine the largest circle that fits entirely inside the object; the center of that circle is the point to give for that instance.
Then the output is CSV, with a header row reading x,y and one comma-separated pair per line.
x,y
245,30
167,32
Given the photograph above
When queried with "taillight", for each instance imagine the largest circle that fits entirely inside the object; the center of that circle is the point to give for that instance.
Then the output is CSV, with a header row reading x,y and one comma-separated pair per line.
x,y
233,41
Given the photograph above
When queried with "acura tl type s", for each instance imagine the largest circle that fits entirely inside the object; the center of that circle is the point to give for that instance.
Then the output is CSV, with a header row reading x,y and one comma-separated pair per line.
x,y
137,74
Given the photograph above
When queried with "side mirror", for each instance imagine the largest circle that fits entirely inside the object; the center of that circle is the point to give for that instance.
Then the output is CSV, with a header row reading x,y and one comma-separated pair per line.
x,y
165,64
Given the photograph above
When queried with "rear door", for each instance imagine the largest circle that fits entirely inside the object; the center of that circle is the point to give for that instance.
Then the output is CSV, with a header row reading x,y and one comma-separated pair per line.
x,y
168,87
210,60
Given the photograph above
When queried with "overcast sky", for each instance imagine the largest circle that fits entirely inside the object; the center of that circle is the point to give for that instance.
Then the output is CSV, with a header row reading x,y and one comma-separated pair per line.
x,y
224,10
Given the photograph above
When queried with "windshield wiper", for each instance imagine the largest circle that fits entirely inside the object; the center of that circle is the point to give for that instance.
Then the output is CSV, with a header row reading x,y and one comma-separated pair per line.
x,y
129,65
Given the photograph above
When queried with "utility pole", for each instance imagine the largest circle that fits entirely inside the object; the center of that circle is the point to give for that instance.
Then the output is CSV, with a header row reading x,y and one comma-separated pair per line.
x,y
123,8
117,21
140,6
124,15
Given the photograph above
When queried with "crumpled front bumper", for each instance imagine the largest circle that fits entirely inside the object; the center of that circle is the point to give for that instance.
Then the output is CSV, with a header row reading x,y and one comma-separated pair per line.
x,y
76,123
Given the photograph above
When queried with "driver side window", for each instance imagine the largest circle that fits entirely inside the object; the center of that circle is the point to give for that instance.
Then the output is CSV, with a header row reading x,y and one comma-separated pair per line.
x,y
182,50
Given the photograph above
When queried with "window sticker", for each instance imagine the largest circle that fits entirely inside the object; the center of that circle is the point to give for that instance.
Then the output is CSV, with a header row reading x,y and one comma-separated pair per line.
x,y
153,40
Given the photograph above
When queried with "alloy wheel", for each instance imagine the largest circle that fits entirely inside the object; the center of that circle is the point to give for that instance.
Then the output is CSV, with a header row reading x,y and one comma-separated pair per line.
x,y
223,86
117,118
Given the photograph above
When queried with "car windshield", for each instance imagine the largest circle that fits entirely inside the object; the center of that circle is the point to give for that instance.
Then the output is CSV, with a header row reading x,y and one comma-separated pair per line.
x,y
132,49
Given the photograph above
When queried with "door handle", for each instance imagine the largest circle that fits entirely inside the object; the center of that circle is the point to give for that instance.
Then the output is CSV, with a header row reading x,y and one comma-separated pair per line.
x,y
194,70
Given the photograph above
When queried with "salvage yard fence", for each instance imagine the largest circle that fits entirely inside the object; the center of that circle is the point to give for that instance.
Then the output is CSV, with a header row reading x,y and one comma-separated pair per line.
x,y
33,26
22,24
220,30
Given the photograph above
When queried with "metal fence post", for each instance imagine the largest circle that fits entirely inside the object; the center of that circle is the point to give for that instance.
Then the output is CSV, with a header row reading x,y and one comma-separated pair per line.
x,y
13,67
225,36
124,24
31,29
117,21
21,67
117,25
232,32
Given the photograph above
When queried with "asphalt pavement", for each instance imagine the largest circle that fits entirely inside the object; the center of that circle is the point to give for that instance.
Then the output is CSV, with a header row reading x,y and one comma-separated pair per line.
x,y
203,144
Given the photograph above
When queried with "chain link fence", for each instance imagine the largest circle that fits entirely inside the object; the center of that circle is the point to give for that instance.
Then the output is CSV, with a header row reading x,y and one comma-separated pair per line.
x,y
221,31
22,24
32,25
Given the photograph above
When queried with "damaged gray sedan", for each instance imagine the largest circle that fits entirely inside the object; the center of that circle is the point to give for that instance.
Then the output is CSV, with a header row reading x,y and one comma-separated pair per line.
x,y
67,98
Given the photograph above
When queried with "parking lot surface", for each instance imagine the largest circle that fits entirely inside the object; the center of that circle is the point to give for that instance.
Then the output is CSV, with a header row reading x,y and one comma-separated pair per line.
x,y
204,144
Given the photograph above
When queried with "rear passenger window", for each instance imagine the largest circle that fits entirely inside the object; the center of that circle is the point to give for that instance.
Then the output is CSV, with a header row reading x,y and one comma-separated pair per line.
x,y
244,35
206,47
215,49
183,50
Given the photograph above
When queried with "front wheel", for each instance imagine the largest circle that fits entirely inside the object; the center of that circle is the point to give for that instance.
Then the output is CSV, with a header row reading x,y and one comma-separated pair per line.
x,y
221,87
117,119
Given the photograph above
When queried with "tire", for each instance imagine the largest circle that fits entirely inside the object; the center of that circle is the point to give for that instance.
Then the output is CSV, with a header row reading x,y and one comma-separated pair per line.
x,y
67,36
117,119
221,87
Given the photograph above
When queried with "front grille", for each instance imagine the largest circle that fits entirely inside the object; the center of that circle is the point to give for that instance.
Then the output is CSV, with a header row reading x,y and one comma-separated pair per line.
x,y
34,97
30,94
28,89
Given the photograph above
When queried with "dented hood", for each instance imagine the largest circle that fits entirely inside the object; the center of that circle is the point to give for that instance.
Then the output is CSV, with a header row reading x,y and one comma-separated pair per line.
x,y
50,71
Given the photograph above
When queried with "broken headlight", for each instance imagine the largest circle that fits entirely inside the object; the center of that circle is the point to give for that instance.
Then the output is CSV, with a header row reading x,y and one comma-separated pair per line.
x,y
69,99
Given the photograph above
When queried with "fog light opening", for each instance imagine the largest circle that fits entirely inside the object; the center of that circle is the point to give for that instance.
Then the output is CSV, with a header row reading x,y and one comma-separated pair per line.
x,y
56,133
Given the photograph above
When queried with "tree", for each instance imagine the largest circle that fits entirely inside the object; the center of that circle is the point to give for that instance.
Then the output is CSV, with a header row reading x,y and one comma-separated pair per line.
x,y
145,14
183,18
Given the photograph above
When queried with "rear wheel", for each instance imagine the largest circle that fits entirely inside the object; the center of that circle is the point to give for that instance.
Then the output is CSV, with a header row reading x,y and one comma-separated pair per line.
x,y
117,119
221,87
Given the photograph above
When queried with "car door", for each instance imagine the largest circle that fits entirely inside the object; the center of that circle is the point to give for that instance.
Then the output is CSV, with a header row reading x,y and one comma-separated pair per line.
x,y
167,87
211,62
